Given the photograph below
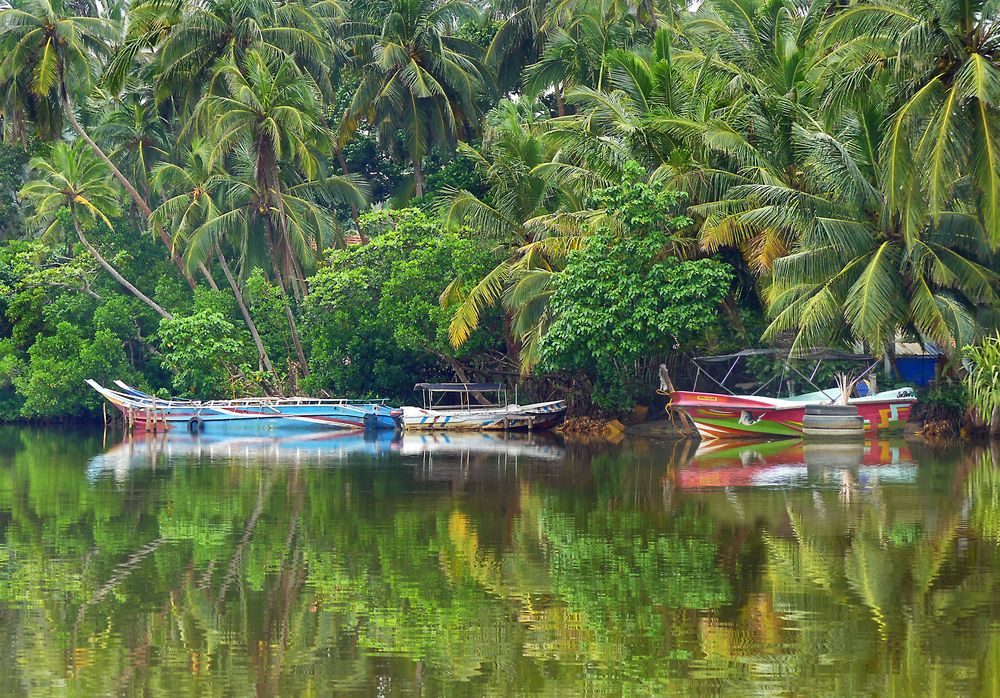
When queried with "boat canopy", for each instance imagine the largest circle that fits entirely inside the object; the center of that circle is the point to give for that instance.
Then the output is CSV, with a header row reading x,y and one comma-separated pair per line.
x,y
460,387
786,358
812,355
466,392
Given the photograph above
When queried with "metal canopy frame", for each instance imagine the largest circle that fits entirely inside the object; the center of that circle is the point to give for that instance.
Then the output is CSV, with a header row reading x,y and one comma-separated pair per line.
x,y
465,391
819,356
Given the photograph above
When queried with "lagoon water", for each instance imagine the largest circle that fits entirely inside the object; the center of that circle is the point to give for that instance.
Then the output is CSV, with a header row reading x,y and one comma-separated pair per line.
x,y
484,565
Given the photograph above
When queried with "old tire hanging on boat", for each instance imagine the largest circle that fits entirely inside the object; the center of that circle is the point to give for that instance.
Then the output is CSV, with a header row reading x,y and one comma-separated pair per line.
x,y
832,422
831,410
196,424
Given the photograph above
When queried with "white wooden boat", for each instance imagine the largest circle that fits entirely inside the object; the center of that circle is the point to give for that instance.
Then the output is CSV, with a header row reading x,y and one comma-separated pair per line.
x,y
476,412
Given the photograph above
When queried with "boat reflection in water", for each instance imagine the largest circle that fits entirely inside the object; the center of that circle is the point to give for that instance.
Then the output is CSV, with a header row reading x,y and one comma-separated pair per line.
x,y
173,447
317,449
792,463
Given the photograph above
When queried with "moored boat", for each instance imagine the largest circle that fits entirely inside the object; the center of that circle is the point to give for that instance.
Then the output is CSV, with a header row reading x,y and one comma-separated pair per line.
x,y
143,411
719,416
484,415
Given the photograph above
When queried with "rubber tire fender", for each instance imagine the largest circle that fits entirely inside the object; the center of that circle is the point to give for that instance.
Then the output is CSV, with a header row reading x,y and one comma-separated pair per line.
x,y
832,421
831,409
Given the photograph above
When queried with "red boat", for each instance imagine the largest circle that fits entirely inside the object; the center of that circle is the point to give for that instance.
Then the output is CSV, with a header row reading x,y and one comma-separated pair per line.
x,y
719,416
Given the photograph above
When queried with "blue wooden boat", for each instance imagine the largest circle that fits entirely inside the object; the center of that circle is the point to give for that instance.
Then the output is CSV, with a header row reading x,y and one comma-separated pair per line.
x,y
143,411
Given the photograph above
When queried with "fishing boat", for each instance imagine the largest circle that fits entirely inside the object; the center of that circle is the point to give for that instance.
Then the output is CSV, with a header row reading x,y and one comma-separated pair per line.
x,y
481,407
730,415
143,411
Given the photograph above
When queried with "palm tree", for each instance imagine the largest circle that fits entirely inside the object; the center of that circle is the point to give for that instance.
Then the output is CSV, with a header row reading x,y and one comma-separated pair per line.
x,y
200,37
269,117
135,135
939,64
273,109
72,178
188,188
532,219
270,114
764,56
856,270
575,49
417,78
517,41
61,52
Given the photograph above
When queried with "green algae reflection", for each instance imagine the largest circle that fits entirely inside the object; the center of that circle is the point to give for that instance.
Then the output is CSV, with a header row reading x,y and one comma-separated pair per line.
x,y
489,566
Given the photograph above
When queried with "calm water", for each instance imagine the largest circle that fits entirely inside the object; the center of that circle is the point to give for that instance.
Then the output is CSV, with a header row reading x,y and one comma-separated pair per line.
x,y
477,565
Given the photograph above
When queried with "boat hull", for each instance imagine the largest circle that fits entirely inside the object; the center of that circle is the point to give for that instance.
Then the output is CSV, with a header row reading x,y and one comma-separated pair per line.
x,y
536,417
255,418
720,416
143,412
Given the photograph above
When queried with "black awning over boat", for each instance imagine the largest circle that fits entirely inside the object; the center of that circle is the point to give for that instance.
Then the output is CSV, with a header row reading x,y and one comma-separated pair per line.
x,y
460,387
812,355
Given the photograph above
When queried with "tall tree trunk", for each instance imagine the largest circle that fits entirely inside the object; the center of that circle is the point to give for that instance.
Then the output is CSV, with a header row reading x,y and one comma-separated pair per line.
x,y
560,104
298,274
136,197
354,209
651,19
114,272
418,176
208,276
245,312
289,315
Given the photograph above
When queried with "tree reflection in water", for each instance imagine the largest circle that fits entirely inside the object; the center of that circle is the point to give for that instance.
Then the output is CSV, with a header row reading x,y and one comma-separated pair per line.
x,y
471,565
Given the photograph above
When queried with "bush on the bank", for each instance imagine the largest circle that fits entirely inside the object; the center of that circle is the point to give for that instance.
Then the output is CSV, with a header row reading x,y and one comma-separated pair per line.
x,y
944,405
624,297
52,381
205,354
373,319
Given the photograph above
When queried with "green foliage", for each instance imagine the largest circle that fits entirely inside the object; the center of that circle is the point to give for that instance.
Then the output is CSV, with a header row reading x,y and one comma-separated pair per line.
x,y
946,402
267,307
373,317
13,161
983,377
624,298
52,380
205,354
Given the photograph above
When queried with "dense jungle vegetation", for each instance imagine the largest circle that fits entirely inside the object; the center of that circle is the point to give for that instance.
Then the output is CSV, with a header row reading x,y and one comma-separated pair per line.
x,y
285,196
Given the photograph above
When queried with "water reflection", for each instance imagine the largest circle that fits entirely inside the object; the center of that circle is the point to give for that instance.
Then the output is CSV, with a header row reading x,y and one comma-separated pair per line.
x,y
293,448
472,565
796,463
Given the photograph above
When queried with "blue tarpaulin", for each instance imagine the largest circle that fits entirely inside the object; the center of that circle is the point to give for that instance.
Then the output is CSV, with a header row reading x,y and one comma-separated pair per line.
x,y
919,370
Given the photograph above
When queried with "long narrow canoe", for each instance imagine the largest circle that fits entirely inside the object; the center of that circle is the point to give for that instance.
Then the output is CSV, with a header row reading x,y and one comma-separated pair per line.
x,y
142,411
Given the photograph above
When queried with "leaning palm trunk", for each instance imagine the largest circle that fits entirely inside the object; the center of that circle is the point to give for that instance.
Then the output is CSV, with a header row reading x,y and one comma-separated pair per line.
x,y
140,202
289,315
114,272
245,312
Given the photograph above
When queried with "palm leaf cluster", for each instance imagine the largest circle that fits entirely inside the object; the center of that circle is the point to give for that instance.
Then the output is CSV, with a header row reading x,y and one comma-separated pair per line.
x,y
845,154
